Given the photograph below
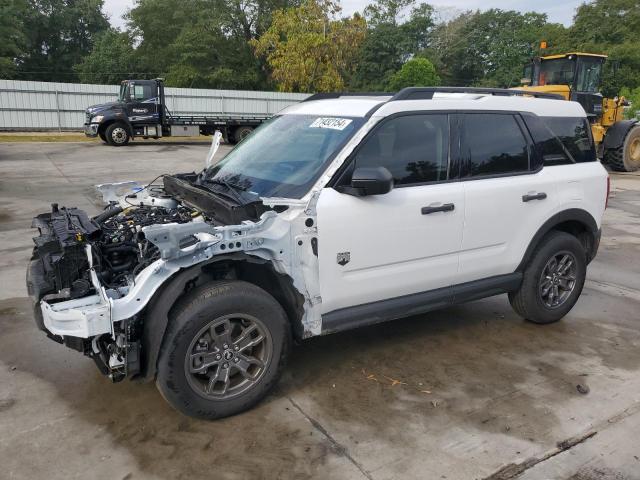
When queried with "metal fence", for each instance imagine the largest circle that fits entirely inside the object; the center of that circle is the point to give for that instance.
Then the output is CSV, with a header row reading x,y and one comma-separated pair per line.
x,y
60,106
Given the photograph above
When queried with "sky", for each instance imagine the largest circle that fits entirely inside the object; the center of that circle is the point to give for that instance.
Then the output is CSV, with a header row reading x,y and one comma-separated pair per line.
x,y
560,11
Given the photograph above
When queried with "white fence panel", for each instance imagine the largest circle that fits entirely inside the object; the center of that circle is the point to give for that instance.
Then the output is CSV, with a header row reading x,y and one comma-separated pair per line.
x,y
26,105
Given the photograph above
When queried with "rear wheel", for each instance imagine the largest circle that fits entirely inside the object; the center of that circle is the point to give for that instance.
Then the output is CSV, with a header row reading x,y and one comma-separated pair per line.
x,y
117,134
552,280
241,133
224,350
627,157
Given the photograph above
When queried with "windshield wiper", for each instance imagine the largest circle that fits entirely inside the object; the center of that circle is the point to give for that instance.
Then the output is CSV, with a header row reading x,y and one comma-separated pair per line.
x,y
232,188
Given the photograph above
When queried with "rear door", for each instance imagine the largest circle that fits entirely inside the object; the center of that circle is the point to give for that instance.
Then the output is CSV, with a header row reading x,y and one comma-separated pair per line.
x,y
384,246
508,195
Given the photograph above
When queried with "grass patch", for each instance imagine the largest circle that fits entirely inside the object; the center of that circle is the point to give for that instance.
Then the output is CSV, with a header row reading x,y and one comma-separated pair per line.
x,y
45,138
79,137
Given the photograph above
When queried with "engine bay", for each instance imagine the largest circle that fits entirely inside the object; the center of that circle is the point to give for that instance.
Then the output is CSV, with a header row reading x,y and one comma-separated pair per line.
x,y
119,247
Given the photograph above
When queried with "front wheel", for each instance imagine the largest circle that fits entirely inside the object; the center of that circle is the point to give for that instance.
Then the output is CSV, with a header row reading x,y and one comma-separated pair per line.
x,y
627,157
117,134
224,350
552,280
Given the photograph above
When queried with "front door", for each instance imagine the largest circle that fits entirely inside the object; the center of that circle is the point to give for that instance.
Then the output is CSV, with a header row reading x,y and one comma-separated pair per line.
x,y
142,104
384,246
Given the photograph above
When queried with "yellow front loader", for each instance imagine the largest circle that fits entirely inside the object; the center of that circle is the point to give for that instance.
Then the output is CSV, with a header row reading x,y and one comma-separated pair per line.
x,y
577,77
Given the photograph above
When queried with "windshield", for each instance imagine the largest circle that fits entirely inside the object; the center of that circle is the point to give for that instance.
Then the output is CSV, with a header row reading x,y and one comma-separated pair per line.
x,y
588,74
286,155
557,72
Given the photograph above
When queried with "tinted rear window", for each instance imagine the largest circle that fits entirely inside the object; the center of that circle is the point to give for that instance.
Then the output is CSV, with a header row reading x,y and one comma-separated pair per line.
x,y
575,135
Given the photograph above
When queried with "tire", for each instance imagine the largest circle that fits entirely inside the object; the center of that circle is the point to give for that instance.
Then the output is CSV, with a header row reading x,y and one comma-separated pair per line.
x,y
529,300
241,133
117,134
627,157
102,137
193,353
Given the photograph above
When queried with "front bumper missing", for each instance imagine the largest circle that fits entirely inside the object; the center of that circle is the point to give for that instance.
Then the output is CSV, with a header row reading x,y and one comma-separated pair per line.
x,y
80,317
95,314
91,129
83,317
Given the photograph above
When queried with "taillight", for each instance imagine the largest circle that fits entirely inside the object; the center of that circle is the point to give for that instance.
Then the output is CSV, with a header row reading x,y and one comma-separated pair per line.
x,y
606,200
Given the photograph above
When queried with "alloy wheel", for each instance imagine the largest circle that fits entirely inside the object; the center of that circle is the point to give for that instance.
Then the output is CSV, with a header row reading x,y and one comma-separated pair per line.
x,y
228,356
558,279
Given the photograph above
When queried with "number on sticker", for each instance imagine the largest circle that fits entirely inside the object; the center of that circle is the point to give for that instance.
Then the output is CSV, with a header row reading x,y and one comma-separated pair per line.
x,y
330,122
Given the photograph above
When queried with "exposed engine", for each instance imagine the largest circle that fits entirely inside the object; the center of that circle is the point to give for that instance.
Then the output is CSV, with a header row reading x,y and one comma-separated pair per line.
x,y
87,265
120,250
60,268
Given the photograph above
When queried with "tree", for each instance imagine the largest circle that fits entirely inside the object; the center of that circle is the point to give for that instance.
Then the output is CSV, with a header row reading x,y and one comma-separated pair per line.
x,y
397,30
223,62
58,34
417,72
112,59
488,48
202,43
11,35
307,50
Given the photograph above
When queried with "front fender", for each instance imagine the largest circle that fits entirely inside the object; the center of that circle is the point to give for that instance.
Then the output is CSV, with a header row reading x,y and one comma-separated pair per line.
x,y
617,133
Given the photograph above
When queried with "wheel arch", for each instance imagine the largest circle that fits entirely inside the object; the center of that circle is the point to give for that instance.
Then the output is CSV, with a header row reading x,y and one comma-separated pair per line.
x,y
236,266
574,221
102,128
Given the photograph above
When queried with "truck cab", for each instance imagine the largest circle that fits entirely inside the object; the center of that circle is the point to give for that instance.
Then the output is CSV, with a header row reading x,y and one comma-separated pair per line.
x,y
138,111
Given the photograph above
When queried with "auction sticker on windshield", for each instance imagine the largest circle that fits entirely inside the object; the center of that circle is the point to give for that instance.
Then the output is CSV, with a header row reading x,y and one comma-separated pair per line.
x,y
330,122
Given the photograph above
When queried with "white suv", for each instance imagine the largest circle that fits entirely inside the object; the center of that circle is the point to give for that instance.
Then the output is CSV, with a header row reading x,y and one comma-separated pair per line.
x,y
339,212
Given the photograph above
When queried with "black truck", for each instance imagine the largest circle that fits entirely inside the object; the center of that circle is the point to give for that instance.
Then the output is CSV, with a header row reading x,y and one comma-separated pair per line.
x,y
140,111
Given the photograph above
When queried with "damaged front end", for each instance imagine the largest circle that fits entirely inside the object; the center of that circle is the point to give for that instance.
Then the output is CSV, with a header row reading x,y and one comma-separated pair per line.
x,y
91,278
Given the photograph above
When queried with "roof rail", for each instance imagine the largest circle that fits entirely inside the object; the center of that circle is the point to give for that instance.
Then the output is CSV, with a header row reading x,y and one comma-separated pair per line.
x,y
330,95
426,93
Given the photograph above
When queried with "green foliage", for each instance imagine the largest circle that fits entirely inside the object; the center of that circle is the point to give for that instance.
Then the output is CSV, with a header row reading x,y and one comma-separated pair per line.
x,y
11,35
417,72
487,48
307,50
58,34
304,45
633,97
112,59
391,40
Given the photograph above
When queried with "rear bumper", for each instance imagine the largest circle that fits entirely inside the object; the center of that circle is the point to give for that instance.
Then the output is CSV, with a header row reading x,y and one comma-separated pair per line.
x,y
91,129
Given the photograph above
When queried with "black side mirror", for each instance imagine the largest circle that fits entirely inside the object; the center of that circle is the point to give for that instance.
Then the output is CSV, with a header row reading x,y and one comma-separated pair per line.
x,y
369,181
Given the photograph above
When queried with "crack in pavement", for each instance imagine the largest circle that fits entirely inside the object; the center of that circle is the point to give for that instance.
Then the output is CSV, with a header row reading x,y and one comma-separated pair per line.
x,y
341,449
514,470
613,289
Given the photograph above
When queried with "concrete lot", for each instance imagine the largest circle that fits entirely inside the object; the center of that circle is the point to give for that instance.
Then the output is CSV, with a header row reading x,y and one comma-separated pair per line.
x,y
465,393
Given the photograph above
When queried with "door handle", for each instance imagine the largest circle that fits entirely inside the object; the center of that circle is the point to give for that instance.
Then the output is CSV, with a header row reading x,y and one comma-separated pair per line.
x,y
446,207
534,196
